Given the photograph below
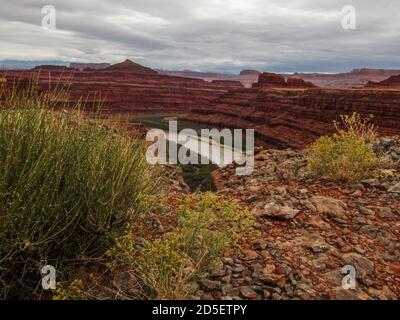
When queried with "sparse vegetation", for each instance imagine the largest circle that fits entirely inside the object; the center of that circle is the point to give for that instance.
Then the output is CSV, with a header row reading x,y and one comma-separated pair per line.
x,y
68,186
166,268
347,155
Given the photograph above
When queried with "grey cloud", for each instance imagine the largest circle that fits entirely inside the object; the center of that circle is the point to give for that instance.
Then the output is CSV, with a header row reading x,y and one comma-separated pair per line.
x,y
208,35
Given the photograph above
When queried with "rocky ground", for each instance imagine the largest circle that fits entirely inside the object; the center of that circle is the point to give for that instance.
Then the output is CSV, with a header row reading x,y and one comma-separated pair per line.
x,y
310,229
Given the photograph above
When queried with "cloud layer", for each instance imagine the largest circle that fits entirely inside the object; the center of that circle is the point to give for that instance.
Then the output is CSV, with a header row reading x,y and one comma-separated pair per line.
x,y
207,35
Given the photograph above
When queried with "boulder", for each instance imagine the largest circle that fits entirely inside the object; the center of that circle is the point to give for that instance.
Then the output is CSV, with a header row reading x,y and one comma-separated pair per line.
x,y
331,206
277,211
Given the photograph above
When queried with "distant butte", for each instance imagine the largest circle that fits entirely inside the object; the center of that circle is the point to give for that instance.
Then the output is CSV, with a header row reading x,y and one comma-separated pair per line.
x,y
268,79
249,73
48,67
274,80
131,67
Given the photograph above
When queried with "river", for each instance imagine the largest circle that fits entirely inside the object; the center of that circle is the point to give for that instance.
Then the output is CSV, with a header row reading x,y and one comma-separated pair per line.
x,y
197,176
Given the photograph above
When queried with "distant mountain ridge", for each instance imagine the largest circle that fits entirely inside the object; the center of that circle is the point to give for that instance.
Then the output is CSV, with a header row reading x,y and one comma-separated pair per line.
x,y
352,79
93,66
29,64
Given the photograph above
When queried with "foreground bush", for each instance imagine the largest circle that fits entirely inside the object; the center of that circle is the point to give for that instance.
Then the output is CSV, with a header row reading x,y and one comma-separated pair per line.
x,y
168,268
68,186
207,225
347,155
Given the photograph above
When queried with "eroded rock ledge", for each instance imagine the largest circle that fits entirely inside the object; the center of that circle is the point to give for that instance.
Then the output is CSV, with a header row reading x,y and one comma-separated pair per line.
x,y
295,117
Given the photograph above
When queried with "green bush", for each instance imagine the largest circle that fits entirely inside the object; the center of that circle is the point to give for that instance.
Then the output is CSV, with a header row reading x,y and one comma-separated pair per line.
x,y
207,225
68,185
168,267
345,156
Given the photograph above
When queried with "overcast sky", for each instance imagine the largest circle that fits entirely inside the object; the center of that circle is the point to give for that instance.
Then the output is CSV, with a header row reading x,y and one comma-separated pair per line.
x,y
206,35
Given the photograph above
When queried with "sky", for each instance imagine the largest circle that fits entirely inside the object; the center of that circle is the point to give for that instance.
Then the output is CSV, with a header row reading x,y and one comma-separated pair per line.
x,y
206,35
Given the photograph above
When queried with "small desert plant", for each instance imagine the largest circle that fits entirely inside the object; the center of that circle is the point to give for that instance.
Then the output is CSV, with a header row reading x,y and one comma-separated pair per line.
x,y
68,186
167,268
346,155
358,126
207,225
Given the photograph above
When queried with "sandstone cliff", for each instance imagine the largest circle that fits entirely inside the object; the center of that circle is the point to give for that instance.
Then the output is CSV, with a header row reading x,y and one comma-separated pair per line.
x,y
283,113
285,116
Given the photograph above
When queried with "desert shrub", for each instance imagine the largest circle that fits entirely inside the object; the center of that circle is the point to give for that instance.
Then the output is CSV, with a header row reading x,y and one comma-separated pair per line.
x,y
357,125
68,185
207,225
167,268
346,155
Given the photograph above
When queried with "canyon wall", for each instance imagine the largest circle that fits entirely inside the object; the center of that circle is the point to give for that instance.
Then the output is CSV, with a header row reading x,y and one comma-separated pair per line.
x,y
283,112
294,117
124,87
